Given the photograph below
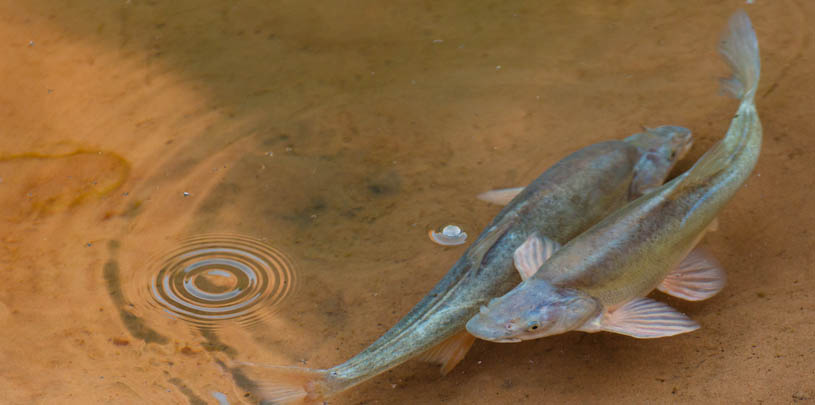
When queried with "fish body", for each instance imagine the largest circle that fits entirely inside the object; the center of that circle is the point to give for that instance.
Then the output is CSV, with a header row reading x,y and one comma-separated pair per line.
x,y
597,281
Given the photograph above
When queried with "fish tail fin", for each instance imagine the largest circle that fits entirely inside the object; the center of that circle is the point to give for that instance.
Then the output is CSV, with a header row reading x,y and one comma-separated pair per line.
x,y
285,384
739,48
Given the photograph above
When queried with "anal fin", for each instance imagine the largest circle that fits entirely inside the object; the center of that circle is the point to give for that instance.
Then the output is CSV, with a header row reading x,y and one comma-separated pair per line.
x,y
449,352
644,318
697,278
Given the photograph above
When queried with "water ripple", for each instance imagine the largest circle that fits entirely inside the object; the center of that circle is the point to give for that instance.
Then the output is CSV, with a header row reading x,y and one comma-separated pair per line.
x,y
217,277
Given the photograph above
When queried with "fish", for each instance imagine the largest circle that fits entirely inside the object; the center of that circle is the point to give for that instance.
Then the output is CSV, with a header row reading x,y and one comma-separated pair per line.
x,y
562,202
599,280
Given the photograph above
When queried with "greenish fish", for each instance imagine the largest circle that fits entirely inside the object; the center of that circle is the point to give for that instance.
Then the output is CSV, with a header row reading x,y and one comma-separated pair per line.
x,y
599,279
564,201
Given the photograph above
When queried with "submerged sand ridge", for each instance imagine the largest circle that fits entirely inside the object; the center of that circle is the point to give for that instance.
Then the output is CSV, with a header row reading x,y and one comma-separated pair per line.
x,y
340,138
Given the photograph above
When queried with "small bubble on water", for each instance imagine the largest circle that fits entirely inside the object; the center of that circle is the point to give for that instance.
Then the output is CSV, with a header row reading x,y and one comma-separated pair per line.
x,y
449,236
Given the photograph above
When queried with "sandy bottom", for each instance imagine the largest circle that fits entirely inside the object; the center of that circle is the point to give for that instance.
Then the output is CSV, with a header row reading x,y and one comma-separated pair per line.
x,y
340,135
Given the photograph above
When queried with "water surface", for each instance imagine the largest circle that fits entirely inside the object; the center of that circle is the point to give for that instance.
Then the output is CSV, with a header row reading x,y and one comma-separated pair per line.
x,y
337,136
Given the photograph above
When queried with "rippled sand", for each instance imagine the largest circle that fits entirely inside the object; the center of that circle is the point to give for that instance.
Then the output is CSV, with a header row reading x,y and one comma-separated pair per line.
x,y
340,136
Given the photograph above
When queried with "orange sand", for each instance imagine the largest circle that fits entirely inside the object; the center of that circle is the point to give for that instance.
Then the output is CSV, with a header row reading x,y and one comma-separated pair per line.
x,y
340,134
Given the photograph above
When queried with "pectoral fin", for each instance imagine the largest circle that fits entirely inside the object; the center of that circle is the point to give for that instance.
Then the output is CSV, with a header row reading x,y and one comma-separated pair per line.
x,y
529,257
449,352
644,318
697,278
482,246
500,197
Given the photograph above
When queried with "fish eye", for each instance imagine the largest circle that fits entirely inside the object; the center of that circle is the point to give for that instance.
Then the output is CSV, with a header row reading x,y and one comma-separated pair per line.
x,y
533,325
673,154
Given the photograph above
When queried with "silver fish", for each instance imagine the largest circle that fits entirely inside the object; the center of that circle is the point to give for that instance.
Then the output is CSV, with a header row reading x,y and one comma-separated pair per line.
x,y
598,281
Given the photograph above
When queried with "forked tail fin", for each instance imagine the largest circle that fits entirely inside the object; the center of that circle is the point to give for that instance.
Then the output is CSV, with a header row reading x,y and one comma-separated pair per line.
x,y
282,384
739,47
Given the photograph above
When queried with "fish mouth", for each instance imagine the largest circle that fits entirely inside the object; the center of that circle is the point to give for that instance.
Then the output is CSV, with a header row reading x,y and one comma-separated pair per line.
x,y
506,340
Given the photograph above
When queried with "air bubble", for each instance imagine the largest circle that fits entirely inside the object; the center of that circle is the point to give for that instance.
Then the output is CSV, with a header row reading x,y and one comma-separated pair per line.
x,y
451,235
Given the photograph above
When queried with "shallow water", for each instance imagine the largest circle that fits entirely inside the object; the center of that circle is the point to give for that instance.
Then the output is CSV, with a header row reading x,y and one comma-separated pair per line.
x,y
339,136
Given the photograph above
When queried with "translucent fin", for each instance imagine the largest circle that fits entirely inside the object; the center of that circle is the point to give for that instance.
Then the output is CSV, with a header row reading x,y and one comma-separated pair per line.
x,y
500,197
644,318
739,47
697,278
714,225
529,257
475,254
449,352
285,385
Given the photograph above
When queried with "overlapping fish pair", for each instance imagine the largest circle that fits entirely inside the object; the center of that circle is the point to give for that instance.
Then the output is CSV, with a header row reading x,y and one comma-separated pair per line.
x,y
591,237
598,280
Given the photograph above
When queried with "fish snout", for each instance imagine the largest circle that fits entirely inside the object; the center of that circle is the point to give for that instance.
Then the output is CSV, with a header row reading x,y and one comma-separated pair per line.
x,y
482,327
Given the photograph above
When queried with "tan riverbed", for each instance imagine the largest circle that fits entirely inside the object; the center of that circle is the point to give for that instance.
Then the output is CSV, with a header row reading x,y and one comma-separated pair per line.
x,y
332,136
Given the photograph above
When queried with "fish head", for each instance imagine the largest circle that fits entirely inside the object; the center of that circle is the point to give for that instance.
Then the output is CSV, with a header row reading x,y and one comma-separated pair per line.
x,y
532,310
659,148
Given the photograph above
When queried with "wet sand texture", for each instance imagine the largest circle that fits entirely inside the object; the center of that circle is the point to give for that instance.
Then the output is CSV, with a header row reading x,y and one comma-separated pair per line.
x,y
340,135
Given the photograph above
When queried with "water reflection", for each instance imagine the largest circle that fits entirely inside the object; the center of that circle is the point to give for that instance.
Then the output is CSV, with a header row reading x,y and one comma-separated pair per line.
x,y
216,277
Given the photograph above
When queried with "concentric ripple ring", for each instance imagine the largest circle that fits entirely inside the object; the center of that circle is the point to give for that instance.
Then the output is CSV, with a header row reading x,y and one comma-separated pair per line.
x,y
211,278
